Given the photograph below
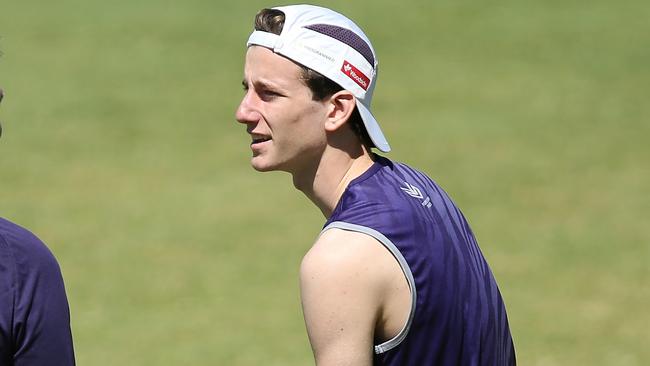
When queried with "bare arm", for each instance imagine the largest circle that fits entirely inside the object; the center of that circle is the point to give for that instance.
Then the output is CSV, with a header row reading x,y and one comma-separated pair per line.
x,y
346,281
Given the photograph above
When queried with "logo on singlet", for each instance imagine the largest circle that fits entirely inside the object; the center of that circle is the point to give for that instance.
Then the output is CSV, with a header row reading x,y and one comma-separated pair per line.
x,y
415,192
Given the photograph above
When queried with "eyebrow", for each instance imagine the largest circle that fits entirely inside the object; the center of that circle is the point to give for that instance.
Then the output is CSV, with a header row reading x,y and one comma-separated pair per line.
x,y
261,84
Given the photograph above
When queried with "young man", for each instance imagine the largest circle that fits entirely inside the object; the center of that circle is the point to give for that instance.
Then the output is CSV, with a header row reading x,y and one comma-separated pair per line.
x,y
396,276
34,313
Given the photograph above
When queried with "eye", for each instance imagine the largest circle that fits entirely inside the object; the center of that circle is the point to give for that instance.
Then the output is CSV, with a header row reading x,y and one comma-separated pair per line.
x,y
268,94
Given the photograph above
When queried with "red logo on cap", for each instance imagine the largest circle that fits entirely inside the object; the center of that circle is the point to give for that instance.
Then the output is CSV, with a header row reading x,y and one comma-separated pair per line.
x,y
356,75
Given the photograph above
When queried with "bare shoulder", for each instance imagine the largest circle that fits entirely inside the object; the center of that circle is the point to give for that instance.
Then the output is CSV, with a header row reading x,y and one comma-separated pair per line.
x,y
353,293
342,292
341,254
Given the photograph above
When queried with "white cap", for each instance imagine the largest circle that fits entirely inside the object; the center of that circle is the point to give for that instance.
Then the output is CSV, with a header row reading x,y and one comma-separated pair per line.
x,y
332,45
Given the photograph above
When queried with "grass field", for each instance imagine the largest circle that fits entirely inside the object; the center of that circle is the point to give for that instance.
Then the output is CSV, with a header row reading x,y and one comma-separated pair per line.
x,y
121,151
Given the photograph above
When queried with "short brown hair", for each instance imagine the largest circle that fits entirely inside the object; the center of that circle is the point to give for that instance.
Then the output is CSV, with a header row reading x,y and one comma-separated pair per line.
x,y
272,21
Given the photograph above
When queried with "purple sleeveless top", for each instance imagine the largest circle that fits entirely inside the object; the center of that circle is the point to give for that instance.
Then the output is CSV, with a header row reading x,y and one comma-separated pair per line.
x,y
458,317
34,313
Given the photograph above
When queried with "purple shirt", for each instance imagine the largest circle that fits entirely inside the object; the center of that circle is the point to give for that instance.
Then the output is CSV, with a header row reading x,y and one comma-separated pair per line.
x,y
34,313
459,317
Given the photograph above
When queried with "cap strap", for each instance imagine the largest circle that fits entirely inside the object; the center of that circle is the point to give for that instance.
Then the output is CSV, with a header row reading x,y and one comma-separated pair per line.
x,y
265,39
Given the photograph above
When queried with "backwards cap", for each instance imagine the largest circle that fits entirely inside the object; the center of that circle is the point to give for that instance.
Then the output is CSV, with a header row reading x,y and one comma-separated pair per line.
x,y
332,45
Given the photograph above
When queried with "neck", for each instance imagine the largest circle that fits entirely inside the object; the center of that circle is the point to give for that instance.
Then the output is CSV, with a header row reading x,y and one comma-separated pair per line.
x,y
325,183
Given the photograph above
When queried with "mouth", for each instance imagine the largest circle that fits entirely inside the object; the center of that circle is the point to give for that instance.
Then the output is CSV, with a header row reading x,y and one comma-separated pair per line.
x,y
260,139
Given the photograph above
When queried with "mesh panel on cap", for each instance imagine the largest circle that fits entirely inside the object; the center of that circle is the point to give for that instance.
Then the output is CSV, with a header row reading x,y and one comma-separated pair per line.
x,y
346,36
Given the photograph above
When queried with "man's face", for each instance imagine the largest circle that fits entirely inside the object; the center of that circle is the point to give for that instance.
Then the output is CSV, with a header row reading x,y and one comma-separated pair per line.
x,y
285,124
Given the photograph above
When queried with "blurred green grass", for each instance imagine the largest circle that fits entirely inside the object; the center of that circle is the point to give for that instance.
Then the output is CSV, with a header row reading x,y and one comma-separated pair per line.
x,y
121,151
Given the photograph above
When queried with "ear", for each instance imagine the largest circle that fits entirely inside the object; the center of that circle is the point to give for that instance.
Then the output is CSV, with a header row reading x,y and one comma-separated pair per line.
x,y
340,108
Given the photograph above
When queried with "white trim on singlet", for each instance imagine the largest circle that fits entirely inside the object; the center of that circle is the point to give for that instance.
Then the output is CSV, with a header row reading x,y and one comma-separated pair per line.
x,y
395,341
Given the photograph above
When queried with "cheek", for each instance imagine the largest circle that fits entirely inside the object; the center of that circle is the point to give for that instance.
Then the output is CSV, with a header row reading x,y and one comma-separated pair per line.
x,y
297,117
310,114
308,123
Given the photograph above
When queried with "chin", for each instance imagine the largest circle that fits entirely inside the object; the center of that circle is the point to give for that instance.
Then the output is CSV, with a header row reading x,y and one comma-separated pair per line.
x,y
262,166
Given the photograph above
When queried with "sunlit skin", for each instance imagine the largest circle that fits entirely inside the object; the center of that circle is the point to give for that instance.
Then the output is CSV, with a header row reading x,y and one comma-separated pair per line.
x,y
294,133
285,124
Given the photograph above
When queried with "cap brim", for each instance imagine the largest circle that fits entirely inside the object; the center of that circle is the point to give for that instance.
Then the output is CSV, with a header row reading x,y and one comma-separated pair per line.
x,y
374,131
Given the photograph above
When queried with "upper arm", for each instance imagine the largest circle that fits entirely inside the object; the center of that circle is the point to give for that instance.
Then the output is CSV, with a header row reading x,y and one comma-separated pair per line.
x,y
342,282
42,318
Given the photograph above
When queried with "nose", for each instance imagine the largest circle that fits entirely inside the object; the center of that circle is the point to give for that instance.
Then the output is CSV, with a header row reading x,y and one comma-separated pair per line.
x,y
246,112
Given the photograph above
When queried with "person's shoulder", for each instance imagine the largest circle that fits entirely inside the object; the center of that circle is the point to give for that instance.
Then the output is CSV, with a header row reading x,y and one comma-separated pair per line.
x,y
16,235
386,172
335,246
341,255
24,246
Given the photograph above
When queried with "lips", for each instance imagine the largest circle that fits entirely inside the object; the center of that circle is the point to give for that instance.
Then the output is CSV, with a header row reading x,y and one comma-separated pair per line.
x,y
261,139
